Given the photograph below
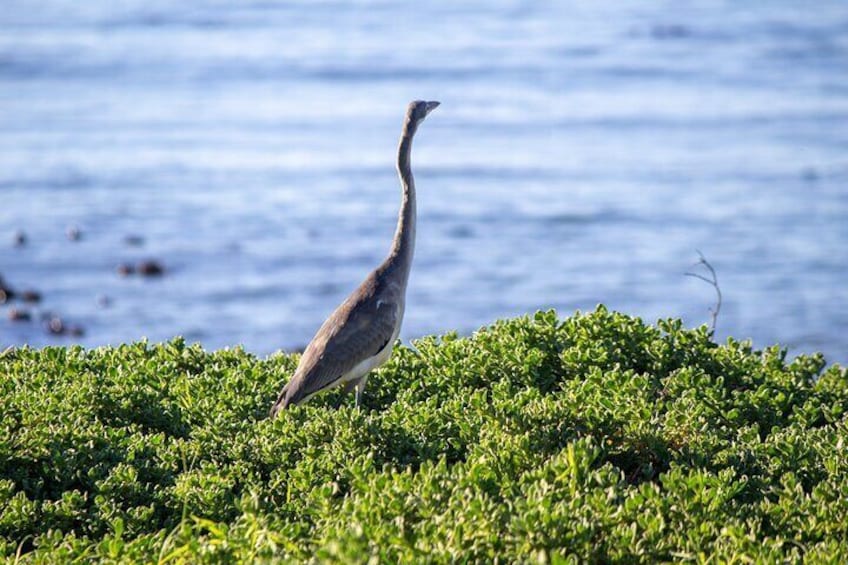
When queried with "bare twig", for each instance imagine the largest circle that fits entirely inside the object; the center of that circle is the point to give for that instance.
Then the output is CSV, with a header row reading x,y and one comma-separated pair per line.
x,y
713,281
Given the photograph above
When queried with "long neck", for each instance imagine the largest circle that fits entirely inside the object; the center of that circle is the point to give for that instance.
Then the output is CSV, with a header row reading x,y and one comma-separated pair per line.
x,y
403,245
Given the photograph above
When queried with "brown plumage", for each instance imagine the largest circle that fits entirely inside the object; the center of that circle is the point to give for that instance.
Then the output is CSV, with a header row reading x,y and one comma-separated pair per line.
x,y
359,335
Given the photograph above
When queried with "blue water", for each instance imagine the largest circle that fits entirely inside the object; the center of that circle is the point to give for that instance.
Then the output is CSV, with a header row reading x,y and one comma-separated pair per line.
x,y
583,152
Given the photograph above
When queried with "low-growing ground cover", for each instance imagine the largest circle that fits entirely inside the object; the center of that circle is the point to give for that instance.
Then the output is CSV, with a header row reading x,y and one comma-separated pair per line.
x,y
595,437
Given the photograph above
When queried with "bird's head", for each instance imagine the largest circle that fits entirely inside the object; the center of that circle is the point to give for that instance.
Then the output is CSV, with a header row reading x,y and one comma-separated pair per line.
x,y
418,110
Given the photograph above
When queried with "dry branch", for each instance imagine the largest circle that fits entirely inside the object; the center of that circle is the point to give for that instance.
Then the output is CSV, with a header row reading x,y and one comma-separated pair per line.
x,y
713,281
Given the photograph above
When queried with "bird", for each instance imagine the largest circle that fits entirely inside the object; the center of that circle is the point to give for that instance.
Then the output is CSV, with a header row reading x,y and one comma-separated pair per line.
x,y
359,335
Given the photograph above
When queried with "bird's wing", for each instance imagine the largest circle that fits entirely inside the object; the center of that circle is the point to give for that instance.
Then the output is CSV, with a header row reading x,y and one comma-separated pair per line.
x,y
359,329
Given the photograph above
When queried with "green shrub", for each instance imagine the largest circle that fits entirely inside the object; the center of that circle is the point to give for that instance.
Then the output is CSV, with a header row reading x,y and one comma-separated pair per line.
x,y
591,438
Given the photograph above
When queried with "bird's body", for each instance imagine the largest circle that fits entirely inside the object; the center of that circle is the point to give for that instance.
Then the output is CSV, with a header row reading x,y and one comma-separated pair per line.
x,y
359,335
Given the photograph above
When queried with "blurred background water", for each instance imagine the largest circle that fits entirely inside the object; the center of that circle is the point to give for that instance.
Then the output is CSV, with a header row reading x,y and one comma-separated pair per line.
x,y
583,152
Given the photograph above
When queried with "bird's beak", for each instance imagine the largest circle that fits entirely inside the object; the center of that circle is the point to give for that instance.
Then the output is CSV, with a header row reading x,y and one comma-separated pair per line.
x,y
432,106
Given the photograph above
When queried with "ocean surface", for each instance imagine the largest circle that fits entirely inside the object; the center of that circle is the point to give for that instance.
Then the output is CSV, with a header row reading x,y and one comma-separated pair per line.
x,y
583,153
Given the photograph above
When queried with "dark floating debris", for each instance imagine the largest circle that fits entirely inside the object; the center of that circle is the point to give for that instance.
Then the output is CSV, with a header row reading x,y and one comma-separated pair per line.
x,y
104,301
19,315
19,239
31,296
57,326
134,240
150,268
7,294
74,233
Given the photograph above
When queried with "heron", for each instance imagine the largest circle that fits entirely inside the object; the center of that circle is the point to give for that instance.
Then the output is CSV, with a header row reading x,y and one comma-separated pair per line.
x,y
359,335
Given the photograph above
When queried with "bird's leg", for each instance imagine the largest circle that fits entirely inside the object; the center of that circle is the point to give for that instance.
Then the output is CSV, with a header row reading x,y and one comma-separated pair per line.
x,y
353,385
360,386
358,395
